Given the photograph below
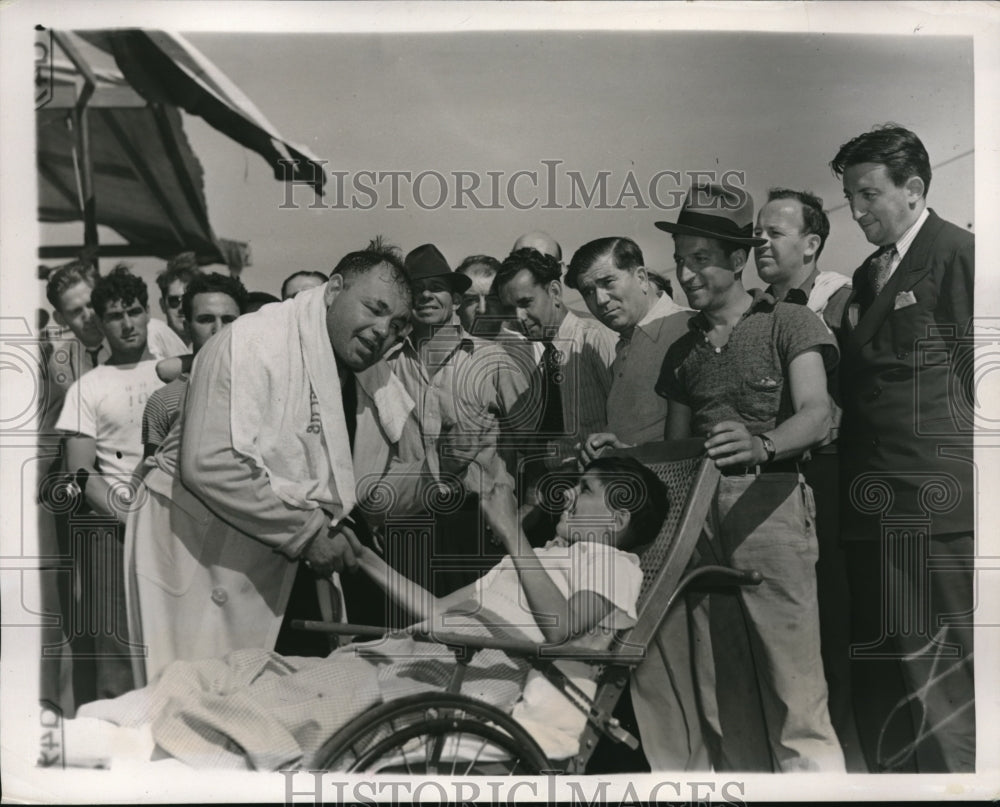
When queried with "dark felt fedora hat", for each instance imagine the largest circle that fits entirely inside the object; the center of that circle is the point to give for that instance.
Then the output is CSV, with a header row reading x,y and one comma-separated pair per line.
x,y
712,211
426,261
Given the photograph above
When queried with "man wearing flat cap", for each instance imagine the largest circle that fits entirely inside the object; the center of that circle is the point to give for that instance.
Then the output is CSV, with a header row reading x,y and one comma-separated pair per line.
x,y
750,377
463,387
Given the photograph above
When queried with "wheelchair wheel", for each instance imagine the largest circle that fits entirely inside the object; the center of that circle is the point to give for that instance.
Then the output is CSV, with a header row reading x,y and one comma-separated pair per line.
x,y
435,734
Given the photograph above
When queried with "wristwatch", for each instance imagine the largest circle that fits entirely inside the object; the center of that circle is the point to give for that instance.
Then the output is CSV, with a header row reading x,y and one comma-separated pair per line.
x,y
769,448
76,483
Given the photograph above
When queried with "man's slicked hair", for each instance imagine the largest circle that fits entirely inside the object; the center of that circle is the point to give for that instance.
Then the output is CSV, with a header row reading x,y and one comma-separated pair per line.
x,y
203,283
891,145
544,268
181,267
120,286
377,253
814,218
491,263
65,277
624,252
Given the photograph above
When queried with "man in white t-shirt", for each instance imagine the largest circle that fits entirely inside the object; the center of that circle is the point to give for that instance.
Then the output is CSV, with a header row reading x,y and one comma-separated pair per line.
x,y
102,417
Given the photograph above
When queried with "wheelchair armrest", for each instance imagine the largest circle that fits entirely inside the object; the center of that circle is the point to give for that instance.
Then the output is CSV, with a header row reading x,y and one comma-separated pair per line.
x,y
341,628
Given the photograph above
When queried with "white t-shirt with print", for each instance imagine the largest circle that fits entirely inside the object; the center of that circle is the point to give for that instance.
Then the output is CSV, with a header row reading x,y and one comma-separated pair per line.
x,y
107,404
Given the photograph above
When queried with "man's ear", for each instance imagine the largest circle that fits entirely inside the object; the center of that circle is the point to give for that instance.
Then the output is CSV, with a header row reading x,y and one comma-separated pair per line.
x,y
623,519
163,305
334,286
59,318
555,290
915,189
738,260
812,245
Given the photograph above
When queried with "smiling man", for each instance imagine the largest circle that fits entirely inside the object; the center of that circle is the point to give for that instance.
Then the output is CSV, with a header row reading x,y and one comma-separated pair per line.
x,y
749,376
464,388
279,427
907,371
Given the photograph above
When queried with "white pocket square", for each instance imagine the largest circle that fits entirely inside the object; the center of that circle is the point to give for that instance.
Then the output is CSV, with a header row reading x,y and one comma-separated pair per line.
x,y
904,299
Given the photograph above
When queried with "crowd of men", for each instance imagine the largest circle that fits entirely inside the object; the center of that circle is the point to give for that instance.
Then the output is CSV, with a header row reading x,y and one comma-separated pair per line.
x,y
239,458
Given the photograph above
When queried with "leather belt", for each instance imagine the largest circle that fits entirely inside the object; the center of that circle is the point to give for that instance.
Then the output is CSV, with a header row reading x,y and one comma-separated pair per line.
x,y
779,467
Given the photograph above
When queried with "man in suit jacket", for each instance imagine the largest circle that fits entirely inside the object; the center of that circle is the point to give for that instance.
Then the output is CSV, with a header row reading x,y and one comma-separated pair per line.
x,y
906,461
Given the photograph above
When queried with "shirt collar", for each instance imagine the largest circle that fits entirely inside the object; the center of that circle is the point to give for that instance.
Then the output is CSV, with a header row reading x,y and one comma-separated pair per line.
x,y
800,294
906,239
760,301
653,321
568,326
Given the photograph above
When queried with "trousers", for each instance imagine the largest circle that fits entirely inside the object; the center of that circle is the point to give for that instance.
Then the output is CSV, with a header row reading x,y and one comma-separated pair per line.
x,y
767,523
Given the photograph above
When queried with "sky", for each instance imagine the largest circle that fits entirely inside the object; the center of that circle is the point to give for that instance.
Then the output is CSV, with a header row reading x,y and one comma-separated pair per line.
x,y
765,109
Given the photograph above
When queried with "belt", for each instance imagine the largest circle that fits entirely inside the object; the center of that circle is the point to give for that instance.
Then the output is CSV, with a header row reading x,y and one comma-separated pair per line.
x,y
779,467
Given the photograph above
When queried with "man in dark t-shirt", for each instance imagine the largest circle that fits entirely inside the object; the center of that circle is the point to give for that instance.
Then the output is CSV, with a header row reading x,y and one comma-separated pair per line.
x,y
750,376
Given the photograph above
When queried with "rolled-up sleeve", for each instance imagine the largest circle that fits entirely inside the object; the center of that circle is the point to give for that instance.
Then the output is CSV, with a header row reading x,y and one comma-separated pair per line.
x,y
228,483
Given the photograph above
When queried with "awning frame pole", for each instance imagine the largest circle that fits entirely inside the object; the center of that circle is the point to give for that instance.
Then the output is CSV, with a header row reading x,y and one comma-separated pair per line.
x,y
82,125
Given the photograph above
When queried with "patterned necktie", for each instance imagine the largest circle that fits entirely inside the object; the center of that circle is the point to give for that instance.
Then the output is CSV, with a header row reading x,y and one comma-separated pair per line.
x,y
552,419
881,267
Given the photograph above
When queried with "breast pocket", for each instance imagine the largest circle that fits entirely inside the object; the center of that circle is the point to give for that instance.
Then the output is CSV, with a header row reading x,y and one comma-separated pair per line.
x,y
760,398
912,316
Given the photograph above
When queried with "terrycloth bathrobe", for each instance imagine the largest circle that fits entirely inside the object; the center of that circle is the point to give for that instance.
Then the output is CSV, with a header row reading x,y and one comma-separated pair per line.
x,y
265,465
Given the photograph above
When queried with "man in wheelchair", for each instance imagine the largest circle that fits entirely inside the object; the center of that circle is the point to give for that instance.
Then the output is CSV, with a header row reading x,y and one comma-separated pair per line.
x,y
256,709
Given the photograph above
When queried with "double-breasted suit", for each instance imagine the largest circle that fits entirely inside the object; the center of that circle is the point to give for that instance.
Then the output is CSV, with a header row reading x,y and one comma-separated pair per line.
x,y
908,502
906,378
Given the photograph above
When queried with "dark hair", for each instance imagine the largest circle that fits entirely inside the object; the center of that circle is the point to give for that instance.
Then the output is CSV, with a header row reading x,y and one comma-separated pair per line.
x,y
257,300
544,268
814,218
624,251
375,254
662,283
121,286
180,267
304,273
203,283
631,486
889,144
479,260
67,276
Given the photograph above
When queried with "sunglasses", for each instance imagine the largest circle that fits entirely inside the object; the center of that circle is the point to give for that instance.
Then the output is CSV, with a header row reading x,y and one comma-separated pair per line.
x,y
173,300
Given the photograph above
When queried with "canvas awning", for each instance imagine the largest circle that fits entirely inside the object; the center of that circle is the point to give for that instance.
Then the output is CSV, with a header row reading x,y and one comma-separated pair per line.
x,y
112,150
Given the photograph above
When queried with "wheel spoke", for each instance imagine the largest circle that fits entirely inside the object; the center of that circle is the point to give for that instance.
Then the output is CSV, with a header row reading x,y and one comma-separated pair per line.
x,y
475,757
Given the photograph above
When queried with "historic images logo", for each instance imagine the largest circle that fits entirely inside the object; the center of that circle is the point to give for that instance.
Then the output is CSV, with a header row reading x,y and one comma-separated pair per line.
x,y
43,66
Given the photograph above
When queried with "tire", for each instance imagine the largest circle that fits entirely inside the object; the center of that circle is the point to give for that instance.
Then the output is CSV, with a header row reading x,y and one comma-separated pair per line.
x,y
410,735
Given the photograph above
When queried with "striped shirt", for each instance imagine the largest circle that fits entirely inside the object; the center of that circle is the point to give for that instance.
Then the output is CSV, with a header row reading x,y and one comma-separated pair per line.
x,y
162,409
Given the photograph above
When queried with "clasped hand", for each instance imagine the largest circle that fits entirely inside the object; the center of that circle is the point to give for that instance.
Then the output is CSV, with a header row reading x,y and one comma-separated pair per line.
x,y
336,550
730,443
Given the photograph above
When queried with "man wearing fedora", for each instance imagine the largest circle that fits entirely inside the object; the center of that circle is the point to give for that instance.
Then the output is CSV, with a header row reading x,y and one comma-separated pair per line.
x,y
907,373
750,376
463,387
